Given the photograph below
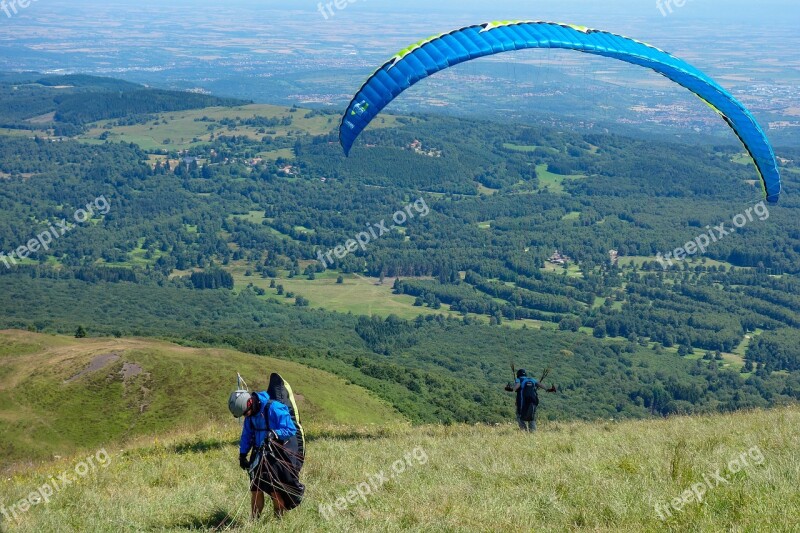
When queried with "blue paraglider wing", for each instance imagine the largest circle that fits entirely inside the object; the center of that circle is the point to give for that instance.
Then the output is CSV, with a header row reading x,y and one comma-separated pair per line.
x,y
438,53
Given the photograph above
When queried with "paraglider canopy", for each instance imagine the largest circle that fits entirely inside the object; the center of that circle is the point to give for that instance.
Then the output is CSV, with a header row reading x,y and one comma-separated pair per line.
x,y
446,50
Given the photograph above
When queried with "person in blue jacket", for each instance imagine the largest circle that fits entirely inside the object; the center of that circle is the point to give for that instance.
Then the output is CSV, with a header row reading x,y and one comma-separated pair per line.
x,y
527,406
274,465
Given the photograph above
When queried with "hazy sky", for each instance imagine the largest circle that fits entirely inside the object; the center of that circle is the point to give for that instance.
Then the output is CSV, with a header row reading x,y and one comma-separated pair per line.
x,y
759,15
517,8
218,45
69,23
783,11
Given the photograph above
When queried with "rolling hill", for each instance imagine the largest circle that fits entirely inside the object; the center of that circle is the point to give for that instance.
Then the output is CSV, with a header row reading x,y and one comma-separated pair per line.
x,y
59,395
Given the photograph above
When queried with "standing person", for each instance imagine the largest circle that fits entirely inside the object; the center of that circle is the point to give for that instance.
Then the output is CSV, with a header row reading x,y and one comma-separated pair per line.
x,y
274,466
527,399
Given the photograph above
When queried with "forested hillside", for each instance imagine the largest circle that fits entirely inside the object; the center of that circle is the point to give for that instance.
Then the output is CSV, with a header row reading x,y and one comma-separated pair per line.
x,y
62,105
535,245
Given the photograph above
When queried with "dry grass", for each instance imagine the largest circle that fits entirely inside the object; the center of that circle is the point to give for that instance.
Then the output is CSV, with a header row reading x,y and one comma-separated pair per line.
x,y
602,476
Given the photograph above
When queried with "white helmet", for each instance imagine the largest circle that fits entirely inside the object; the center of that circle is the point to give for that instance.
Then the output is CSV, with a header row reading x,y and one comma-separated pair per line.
x,y
237,403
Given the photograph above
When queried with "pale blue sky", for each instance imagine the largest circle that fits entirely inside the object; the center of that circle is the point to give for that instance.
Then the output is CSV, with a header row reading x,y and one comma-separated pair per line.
x,y
586,12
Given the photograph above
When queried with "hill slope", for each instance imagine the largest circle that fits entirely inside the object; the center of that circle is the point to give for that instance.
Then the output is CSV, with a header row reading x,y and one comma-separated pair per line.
x,y
59,394
63,104
577,476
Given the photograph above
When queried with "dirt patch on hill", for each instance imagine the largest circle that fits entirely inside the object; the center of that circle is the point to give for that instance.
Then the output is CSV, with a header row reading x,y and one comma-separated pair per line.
x,y
42,119
96,364
130,370
138,389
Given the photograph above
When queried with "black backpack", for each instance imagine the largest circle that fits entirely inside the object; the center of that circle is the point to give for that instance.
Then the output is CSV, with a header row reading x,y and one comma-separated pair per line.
x,y
529,399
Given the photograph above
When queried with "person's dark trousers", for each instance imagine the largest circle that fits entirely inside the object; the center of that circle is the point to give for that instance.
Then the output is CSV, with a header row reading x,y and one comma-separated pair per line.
x,y
527,426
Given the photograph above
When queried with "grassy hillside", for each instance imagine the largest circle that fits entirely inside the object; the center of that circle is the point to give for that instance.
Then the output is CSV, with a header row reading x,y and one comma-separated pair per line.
x,y
59,394
183,129
603,476
61,105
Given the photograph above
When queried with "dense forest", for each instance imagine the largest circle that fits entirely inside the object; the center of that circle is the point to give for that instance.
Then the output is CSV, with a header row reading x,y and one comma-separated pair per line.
x,y
626,334
431,369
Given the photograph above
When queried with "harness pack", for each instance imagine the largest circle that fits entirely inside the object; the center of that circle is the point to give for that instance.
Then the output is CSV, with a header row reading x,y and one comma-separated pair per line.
x,y
528,398
280,391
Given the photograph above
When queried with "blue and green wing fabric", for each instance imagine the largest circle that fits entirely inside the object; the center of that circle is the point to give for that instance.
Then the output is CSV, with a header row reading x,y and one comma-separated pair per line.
x,y
443,51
